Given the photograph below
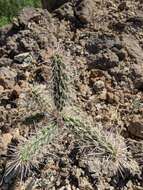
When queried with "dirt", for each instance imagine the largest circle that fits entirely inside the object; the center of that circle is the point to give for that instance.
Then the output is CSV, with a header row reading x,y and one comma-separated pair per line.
x,y
103,42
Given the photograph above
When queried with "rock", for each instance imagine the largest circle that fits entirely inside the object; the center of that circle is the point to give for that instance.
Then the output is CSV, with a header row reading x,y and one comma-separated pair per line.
x,y
24,58
14,94
121,54
65,11
84,89
133,48
43,74
136,21
29,44
104,61
12,47
108,49
26,15
137,72
7,77
112,98
98,43
135,126
5,62
84,10
98,86
1,89
139,83
118,26
51,5
122,6
5,139
103,95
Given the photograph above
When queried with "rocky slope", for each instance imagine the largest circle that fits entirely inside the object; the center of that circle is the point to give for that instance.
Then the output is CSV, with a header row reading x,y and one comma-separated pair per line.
x,y
103,42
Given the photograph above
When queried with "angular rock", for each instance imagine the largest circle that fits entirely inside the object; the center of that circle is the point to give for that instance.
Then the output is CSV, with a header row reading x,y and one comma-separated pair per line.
x,y
98,86
137,71
136,21
51,5
65,11
25,16
24,58
96,43
7,77
135,126
133,48
104,61
5,62
84,10
5,140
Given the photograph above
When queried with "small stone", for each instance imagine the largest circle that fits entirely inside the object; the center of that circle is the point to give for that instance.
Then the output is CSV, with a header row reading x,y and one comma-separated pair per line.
x,y
14,95
84,89
122,6
7,77
133,48
98,86
112,98
65,11
104,61
139,83
25,16
1,89
5,140
84,11
103,95
51,5
135,126
24,58
137,71
5,62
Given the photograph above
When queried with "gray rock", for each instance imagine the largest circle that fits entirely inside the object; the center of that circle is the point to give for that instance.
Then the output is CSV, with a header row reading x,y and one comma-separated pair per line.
x,y
52,4
98,86
7,77
137,71
5,62
24,58
84,10
104,61
97,43
65,11
133,48
26,15
135,126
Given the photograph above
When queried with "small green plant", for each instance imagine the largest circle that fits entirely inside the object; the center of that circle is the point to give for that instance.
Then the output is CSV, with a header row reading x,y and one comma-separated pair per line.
x,y
29,151
59,82
10,8
107,146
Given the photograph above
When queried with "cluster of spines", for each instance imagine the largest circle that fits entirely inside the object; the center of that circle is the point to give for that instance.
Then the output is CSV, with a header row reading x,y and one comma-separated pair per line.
x,y
44,101
28,152
60,79
107,146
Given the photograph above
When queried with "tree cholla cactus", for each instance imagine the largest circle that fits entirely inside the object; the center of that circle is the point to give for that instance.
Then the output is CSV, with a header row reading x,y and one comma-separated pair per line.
x,y
27,154
108,147
60,79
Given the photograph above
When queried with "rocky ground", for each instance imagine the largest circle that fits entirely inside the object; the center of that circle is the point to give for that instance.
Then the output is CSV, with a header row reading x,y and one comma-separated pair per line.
x,y
103,42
